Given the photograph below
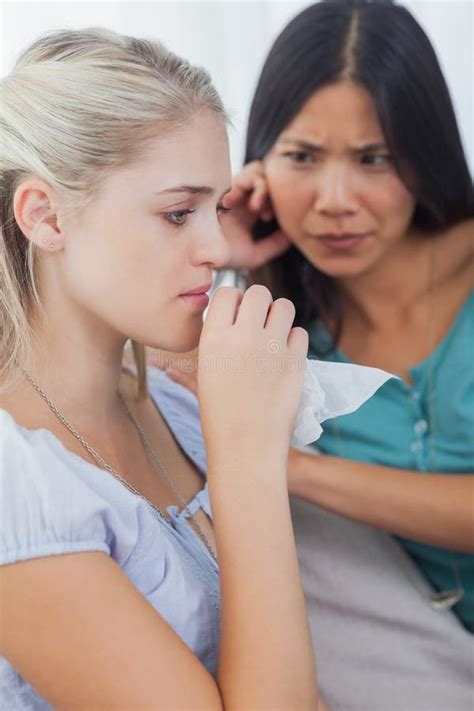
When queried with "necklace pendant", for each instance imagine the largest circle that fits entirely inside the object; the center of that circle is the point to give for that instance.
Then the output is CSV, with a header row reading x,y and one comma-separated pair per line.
x,y
445,600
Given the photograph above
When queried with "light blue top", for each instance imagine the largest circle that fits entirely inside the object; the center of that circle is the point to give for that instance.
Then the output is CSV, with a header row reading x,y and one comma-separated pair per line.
x,y
393,429
54,502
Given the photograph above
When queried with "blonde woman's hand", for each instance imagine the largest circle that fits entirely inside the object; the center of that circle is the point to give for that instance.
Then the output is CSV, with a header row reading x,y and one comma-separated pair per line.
x,y
249,201
250,373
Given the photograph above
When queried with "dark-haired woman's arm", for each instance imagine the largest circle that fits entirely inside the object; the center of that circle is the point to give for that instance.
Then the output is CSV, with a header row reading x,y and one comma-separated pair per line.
x,y
432,508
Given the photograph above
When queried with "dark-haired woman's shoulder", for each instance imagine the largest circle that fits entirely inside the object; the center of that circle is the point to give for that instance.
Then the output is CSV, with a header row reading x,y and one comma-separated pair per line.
x,y
460,238
455,254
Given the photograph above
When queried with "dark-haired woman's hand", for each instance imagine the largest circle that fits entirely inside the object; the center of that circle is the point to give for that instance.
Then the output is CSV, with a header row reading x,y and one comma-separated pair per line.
x,y
250,202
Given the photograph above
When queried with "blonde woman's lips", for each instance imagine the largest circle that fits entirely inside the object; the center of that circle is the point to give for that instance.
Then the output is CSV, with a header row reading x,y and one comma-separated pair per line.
x,y
197,297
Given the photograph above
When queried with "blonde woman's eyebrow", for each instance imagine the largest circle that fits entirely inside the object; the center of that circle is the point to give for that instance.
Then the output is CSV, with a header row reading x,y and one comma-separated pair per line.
x,y
191,190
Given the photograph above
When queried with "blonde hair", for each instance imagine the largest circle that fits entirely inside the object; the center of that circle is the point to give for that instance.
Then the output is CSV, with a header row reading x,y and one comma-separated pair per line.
x,y
78,104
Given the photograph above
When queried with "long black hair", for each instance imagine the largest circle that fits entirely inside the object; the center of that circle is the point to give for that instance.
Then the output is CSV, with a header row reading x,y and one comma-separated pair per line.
x,y
379,45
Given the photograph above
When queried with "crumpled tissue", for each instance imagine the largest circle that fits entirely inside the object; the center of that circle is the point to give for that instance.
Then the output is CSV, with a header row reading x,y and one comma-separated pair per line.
x,y
330,390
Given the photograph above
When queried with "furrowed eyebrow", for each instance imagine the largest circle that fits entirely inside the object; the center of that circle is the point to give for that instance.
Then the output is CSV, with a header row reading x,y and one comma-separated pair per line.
x,y
314,147
305,145
371,148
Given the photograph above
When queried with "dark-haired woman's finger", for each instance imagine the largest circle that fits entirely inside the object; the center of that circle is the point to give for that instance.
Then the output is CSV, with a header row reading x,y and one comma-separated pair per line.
x,y
187,379
269,248
243,182
259,195
266,213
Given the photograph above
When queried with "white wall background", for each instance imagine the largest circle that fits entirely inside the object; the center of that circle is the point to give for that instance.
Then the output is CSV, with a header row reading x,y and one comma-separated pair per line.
x,y
231,39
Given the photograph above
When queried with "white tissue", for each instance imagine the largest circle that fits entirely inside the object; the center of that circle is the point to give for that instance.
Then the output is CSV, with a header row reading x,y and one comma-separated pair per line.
x,y
330,390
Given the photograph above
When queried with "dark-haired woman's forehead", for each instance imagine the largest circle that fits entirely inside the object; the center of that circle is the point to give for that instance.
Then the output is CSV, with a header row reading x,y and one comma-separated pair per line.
x,y
338,116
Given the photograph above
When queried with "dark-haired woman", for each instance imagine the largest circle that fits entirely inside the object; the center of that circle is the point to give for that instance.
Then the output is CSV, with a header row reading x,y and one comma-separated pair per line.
x,y
356,175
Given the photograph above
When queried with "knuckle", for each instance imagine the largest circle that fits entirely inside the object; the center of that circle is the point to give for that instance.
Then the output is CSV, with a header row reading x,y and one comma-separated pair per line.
x,y
300,336
286,304
300,331
226,292
259,290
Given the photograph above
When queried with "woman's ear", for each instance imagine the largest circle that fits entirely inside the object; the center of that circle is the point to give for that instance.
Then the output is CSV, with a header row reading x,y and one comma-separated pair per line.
x,y
34,207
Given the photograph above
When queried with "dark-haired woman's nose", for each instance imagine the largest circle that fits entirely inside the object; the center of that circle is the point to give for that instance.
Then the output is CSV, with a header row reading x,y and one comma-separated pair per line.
x,y
335,196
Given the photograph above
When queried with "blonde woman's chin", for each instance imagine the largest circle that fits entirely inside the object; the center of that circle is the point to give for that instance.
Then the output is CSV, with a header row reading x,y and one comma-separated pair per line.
x,y
184,357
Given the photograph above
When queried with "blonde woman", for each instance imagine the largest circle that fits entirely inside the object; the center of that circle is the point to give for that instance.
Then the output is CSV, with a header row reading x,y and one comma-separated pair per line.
x,y
110,231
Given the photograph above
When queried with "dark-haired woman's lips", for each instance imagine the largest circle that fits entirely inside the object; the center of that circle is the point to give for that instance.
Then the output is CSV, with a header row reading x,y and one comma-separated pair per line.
x,y
342,241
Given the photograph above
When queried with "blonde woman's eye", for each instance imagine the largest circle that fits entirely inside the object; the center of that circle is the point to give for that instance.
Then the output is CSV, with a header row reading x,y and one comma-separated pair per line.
x,y
177,217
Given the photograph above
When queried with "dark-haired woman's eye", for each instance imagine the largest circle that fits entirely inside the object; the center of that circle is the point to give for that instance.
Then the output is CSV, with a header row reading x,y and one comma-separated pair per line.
x,y
177,217
222,210
376,159
300,157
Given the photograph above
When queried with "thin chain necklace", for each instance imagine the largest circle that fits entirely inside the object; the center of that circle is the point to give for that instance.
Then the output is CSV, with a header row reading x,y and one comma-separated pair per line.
x,y
112,471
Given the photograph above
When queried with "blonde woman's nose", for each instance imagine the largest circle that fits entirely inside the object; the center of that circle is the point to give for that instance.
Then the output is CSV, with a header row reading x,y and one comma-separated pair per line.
x,y
212,247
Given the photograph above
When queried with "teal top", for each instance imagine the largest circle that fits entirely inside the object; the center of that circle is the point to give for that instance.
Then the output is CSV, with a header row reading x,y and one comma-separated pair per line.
x,y
394,429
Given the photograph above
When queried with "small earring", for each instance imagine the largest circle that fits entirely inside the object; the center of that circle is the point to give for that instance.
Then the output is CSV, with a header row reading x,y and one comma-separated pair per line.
x,y
45,241
51,245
